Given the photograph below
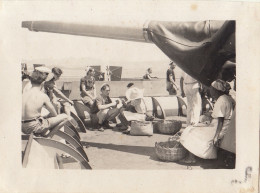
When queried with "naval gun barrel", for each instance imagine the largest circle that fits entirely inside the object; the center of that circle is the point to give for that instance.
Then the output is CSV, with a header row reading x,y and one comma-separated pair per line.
x,y
129,32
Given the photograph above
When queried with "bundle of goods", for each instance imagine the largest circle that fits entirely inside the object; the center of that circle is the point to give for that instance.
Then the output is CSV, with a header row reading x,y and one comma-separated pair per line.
x,y
141,128
169,126
172,150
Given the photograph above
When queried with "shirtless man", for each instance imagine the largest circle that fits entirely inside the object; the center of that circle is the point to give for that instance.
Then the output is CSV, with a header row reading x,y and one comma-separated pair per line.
x,y
33,101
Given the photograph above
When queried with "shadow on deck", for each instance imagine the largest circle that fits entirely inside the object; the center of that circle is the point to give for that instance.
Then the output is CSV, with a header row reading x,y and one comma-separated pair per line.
x,y
219,163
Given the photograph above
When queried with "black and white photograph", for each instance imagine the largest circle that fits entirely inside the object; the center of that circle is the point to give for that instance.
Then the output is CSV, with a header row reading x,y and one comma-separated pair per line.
x,y
130,96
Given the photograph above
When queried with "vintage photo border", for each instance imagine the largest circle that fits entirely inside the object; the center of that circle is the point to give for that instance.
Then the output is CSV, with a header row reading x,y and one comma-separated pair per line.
x,y
242,179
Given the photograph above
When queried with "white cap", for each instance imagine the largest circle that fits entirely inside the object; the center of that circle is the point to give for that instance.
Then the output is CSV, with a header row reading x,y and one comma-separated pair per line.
x,y
43,69
46,70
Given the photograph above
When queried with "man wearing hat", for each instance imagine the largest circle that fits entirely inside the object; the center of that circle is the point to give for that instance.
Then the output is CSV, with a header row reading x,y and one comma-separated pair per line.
x,y
133,109
204,139
46,72
33,100
170,80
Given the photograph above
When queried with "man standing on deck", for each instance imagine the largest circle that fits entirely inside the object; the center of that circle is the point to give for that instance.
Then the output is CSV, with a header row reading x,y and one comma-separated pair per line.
x,y
170,80
190,87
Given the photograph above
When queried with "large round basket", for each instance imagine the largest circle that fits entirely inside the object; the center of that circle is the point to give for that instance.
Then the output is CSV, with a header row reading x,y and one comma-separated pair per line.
x,y
141,128
169,127
171,150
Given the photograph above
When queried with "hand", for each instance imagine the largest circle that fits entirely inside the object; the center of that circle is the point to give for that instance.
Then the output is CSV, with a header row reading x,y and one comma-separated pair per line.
x,y
71,102
117,102
182,95
113,104
216,141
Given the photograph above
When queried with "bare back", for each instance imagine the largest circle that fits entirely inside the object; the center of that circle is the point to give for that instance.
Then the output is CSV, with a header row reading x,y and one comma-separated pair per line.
x,y
32,103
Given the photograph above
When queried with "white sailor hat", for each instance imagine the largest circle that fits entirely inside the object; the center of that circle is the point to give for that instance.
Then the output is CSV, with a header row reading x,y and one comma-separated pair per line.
x,y
45,70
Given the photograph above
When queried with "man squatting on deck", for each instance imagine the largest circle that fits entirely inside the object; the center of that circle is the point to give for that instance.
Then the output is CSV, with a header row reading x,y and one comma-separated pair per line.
x,y
104,108
202,139
33,100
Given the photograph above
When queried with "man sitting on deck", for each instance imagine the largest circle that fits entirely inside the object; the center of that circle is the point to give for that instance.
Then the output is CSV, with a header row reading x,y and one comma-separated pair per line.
x,y
133,109
52,91
32,102
88,88
104,108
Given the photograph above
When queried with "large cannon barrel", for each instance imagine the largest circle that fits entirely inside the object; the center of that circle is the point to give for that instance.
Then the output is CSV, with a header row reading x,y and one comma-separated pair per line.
x,y
130,32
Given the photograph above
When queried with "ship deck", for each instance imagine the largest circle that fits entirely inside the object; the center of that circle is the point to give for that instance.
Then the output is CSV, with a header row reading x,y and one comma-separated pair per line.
x,y
113,150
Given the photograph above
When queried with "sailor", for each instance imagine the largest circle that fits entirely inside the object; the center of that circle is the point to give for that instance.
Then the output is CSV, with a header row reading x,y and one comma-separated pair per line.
x,y
88,87
34,99
190,88
171,86
148,74
52,91
104,108
46,72
133,109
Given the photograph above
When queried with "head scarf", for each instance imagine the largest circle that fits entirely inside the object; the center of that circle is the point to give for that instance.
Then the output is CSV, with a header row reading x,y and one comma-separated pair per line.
x,y
221,85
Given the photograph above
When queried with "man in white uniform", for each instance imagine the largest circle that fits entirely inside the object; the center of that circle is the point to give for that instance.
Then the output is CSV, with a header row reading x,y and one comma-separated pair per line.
x,y
190,87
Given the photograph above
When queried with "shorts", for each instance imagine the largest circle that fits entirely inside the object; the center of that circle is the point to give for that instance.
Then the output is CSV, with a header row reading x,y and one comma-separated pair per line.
x,y
38,126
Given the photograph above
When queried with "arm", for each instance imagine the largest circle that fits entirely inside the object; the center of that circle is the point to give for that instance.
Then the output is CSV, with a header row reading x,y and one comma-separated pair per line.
x,y
106,106
95,92
149,76
49,106
181,85
172,81
219,128
61,95
84,91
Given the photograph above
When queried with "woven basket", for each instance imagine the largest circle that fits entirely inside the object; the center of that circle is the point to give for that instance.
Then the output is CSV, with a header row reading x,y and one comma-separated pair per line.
x,y
169,126
171,150
141,128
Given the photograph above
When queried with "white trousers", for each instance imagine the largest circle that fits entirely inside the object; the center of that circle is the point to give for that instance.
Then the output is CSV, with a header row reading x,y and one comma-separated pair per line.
x,y
193,103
